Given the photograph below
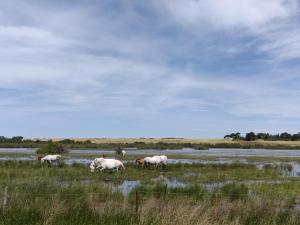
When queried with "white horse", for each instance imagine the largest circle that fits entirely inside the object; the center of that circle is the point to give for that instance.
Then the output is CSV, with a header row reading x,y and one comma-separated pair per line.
x,y
51,158
123,153
156,160
106,164
163,159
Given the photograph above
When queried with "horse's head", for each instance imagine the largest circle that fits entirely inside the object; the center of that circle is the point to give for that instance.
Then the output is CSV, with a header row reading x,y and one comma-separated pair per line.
x,y
140,162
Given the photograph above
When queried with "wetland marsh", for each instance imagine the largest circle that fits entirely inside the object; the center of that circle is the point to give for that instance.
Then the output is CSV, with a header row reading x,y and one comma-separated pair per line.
x,y
191,189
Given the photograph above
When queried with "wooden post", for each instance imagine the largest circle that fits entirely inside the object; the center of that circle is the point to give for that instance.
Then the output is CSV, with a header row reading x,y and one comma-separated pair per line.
x,y
216,199
136,201
166,191
5,199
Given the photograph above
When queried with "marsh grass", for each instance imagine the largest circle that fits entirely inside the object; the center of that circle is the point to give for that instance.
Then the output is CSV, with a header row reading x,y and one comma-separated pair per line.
x,y
71,195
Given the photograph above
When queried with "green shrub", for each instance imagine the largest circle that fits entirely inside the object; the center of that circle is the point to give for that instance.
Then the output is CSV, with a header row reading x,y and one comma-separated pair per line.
x,y
52,148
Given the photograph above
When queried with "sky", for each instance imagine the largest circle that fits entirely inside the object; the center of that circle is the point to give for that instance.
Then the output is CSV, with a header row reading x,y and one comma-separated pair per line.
x,y
131,68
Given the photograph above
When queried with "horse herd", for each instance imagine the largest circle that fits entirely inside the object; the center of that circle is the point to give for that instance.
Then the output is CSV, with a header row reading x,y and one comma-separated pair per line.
x,y
103,163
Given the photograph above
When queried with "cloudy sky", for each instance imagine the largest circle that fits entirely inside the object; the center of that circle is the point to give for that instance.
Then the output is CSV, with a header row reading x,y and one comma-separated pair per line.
x,y
131,68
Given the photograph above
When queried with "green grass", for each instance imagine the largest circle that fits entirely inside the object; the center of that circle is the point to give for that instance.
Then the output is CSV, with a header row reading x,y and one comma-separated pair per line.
x,y
63,194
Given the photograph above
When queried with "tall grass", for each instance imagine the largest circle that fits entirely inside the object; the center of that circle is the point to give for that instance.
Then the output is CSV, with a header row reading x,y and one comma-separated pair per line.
x,y
42,194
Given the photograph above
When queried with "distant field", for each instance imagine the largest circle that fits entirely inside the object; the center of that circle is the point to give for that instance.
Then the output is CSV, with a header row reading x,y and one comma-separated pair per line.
x,y
153,143
181,140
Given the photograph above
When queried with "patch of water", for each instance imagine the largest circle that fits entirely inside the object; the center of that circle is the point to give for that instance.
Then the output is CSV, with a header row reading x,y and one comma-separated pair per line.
x,y
294,171
77,160
171,183
127,186
23,158
17,150
227,152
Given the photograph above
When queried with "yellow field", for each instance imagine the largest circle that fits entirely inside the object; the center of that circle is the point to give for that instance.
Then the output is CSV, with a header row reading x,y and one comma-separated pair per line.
x,y
182,140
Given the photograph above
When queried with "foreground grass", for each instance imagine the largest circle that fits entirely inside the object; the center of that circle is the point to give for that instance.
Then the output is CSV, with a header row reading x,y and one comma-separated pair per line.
x,y
41,194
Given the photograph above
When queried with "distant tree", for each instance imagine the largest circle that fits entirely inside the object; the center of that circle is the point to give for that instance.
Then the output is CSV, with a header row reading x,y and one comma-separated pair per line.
x,y
3,139
261,136
296,137
234,136
17,139
285,136
250,136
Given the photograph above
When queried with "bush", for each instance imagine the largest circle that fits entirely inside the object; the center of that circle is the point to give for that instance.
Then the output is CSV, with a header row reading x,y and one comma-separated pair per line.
x,y
52,148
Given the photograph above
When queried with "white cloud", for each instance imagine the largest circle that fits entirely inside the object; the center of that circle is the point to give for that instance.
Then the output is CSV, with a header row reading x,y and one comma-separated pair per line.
x,y
273,24
231,13
82,60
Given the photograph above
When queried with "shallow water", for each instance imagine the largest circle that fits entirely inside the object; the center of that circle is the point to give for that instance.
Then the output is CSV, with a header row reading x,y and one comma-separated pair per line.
x,y
228,152
295,171
170,183
225,152
127,186
17,150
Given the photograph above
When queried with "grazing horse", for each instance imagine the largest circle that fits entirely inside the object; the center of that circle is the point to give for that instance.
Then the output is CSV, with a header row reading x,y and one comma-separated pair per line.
x,y
50,158
106,164
140,162
156,160
163,159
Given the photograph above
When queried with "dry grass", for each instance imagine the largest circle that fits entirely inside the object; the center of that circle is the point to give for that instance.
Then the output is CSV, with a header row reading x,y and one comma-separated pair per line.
x,y
146,140
225,212
178,140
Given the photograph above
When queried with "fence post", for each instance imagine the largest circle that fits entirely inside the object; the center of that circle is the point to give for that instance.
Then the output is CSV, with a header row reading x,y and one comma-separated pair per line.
x,y
136,201
216,199
5,199
166,190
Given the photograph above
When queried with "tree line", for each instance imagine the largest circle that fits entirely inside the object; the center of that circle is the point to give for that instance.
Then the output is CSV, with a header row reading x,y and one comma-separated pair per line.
x,y
20,139
251,136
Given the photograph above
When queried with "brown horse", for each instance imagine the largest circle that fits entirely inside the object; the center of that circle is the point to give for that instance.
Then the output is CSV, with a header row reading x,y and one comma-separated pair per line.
x,y
140,162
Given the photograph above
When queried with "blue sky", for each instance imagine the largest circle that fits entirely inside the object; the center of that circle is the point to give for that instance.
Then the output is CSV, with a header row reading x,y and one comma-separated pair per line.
x,y
130,68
